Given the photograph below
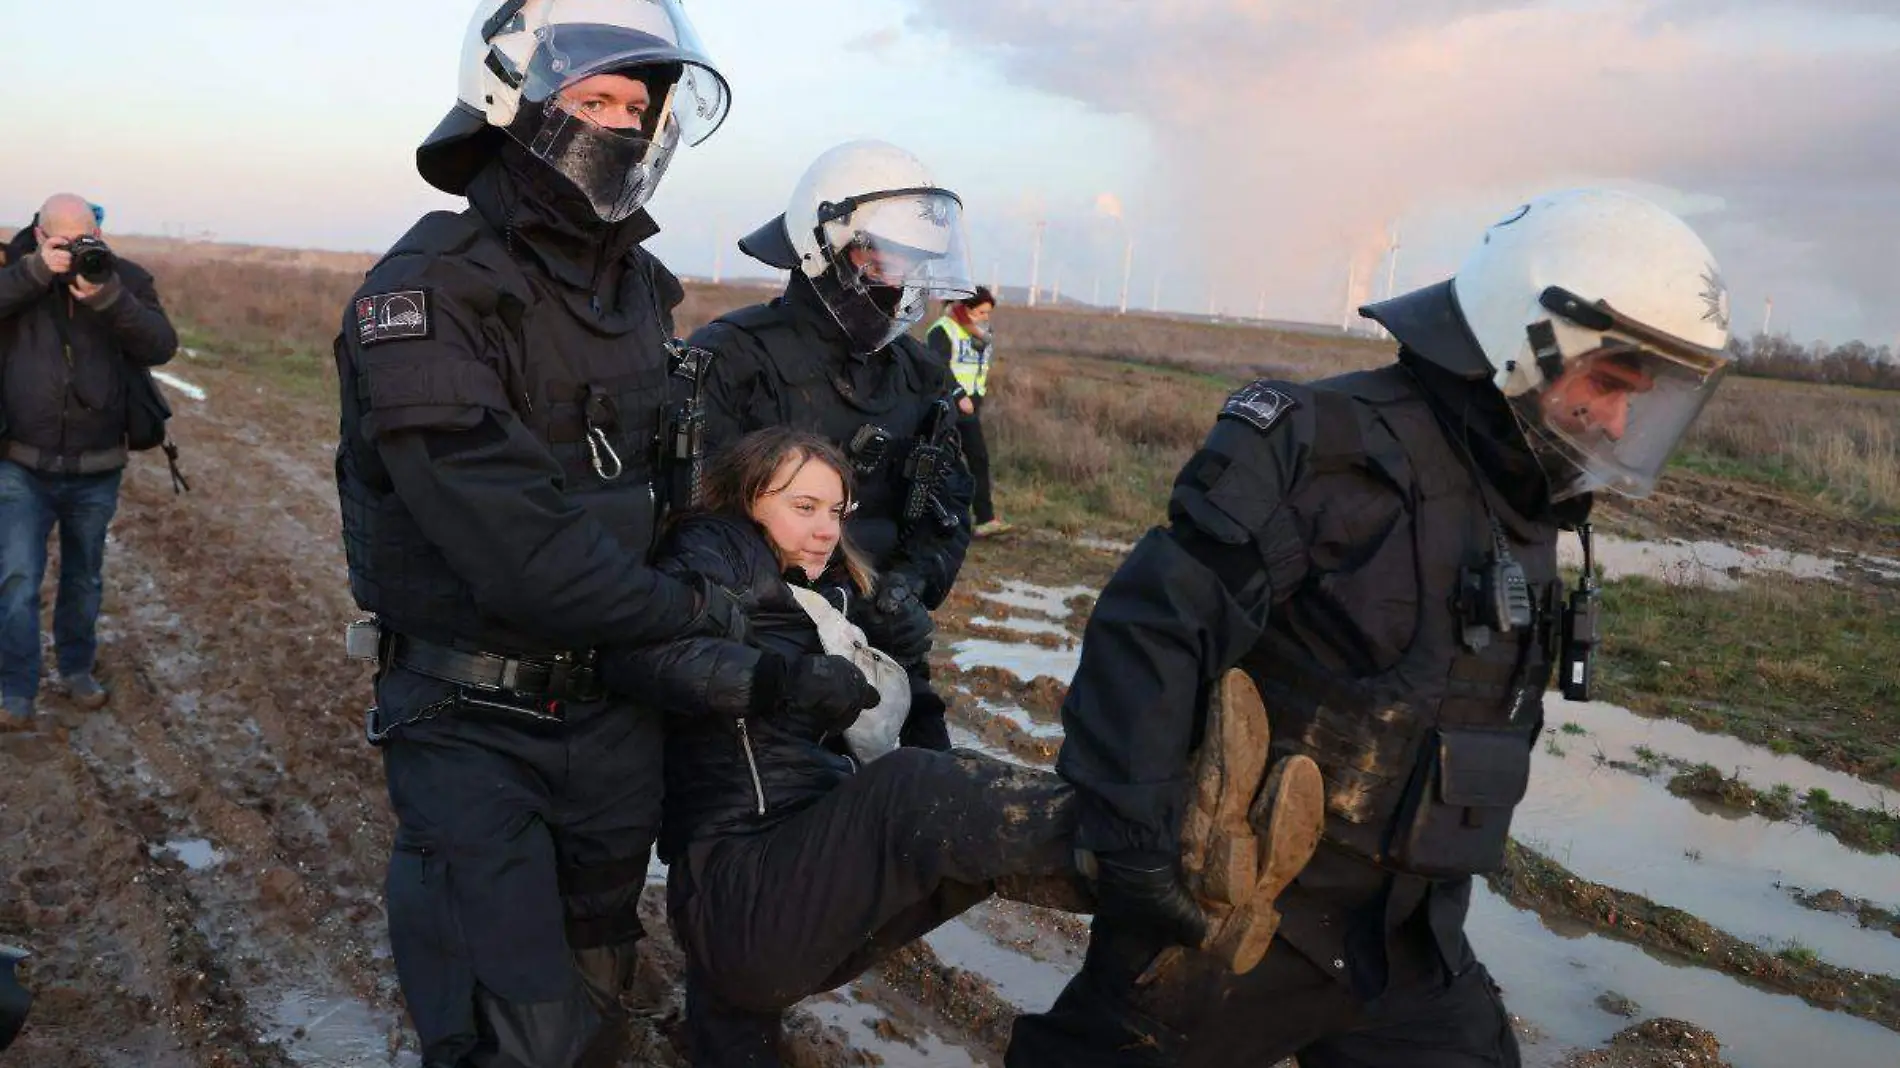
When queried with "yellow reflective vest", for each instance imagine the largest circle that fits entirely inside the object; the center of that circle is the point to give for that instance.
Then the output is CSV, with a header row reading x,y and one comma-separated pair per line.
x,y
969,364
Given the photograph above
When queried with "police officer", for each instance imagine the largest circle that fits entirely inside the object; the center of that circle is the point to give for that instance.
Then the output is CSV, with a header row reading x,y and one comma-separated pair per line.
x,y
1377,552
868,238
502,373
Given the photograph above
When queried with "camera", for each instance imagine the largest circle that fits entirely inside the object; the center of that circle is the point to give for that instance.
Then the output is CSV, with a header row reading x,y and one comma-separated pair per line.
x,y
92,260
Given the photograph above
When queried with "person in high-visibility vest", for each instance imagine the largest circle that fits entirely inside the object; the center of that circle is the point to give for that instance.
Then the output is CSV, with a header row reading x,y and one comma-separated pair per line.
x,y
962,337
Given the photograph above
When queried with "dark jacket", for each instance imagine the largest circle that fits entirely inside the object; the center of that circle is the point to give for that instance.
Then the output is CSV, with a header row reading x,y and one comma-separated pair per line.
x,y
1317,540
66,362
789,363
484,365
721,731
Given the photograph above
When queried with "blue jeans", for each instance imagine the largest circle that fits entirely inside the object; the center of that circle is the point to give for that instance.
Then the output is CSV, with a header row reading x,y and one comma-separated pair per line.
x,y
30,503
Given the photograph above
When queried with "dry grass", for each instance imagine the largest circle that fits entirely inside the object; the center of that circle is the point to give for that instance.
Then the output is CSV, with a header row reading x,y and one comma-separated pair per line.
x,y
1092,413
1835,441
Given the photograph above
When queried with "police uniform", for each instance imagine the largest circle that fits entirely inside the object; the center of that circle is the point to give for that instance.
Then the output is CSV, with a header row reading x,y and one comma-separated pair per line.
x,y
788,363
969,360
502,373
1377,552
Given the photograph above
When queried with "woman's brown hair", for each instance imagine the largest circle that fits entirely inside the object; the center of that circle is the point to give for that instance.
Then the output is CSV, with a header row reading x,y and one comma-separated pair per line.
x,y
744,471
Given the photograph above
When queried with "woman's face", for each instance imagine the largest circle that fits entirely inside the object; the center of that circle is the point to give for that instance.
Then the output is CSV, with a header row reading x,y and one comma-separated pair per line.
x,y
802,514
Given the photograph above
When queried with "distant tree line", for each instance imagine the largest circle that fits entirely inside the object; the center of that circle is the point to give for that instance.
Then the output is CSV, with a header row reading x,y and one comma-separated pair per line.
x,y
1855,363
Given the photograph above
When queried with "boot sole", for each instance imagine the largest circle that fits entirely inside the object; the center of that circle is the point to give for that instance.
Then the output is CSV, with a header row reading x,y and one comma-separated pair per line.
x,y
1244,841
1288,818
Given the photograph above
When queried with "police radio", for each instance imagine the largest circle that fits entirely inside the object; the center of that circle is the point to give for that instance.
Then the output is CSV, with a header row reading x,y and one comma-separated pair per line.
x,y
1496,598
1580,632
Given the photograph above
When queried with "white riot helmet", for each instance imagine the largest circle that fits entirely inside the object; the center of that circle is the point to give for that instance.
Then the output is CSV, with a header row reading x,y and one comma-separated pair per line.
x,y
1602,319
876,236
518,56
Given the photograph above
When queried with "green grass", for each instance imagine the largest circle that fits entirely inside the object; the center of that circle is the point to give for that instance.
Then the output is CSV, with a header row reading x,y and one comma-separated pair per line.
x,y
1803,666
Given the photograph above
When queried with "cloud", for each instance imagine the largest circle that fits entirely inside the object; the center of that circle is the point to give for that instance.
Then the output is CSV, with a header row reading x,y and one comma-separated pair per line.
x,y
876,42
1291,135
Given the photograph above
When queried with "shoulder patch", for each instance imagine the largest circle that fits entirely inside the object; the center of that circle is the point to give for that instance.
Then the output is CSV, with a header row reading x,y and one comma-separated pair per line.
x,y
1258,404
395,316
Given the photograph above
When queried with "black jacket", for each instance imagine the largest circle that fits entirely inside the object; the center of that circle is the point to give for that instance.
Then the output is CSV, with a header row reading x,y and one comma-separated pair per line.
x,y
66,360
718,734
483,365
789,363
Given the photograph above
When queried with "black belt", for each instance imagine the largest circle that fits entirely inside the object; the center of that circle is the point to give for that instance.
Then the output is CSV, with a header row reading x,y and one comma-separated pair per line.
x,y
558,676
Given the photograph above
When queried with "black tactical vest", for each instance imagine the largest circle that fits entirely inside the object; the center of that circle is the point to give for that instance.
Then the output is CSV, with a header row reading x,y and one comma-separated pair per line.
x,y
593,399
813,394
1425,754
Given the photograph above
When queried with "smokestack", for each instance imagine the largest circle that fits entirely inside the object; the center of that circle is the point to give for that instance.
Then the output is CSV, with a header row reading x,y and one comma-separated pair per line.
x,y
1035,264
1128,265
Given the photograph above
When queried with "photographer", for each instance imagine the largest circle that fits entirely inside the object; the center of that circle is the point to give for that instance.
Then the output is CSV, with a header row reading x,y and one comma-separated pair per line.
x,y
73,316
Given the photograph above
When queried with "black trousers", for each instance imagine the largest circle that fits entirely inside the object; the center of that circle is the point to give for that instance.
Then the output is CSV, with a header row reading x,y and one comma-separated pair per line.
x,y
808,905
977,452
520,854
1200,1016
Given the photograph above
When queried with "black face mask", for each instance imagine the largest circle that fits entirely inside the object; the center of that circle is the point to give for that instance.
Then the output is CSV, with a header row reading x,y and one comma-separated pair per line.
x,y
887,298
868,316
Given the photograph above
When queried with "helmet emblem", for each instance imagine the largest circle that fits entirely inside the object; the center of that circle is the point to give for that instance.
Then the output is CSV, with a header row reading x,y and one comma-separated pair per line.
x,y
1714,298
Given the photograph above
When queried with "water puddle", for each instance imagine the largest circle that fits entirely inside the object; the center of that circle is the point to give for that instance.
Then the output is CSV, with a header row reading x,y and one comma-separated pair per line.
x,y
873,1033
194,853
1039,730
1028,984
962,737
1614,727
330,1033
1552,976
1051,601
179,384
1020,659
1697,563
1727,868
1025,626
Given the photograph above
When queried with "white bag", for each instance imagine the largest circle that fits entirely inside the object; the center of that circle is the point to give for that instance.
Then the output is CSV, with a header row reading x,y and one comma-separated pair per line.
x,y
874,732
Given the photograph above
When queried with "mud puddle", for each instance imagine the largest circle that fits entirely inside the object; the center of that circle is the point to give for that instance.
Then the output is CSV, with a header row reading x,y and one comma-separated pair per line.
x,y
1024,626
875,1035
326,1032
1713,564
1725,867
1617,728
1050,601
1028,984
1554,973
1020,659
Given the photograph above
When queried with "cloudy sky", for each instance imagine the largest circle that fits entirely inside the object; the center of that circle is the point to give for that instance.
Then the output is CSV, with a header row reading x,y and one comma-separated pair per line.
x,y
1252,152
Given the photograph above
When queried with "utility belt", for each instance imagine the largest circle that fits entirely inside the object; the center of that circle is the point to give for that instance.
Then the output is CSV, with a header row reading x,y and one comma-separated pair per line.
x,y
69,463
535,688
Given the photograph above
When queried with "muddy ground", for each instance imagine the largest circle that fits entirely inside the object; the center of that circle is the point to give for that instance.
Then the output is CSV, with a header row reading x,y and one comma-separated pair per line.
x,y
198,867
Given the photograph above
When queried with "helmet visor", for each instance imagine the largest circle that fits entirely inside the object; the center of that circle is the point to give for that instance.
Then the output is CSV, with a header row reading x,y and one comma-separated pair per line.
x,y
890,253
616,169
547,47
1613,416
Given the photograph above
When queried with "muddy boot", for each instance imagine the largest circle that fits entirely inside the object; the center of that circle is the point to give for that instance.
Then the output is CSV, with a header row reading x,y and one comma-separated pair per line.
x,y
85,690
1243,841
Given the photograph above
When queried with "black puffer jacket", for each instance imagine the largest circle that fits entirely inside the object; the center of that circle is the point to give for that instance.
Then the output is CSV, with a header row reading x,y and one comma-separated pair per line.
x,y
65,360
732,766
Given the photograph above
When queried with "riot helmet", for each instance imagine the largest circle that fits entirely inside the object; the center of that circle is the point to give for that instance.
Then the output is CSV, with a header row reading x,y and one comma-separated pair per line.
x,y
1603,320
875,235
602,91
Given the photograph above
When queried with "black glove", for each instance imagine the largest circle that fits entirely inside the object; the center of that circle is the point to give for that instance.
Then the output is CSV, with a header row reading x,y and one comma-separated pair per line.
x,y
924,727
1142,889
718,613
812,695
897,622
